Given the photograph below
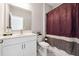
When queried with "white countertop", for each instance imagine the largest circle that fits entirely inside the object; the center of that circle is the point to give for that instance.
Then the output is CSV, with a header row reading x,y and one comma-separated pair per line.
x,y
16,35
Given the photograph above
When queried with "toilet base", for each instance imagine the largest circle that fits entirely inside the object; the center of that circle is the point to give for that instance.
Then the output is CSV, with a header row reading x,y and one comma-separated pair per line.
x,y
42,48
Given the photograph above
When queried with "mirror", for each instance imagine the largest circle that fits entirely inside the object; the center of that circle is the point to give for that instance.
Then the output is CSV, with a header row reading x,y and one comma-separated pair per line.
x,y
16,22
21,19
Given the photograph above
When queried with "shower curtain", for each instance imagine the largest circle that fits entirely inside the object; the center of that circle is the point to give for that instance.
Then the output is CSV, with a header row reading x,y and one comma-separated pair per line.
x,y
77,19
64,20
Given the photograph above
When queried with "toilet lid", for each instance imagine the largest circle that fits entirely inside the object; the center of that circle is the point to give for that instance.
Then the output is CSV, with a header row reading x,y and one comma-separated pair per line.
x,y
43,44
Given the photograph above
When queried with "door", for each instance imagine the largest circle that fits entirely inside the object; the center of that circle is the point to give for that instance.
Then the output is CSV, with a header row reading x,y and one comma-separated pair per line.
x,y
13,50
29,48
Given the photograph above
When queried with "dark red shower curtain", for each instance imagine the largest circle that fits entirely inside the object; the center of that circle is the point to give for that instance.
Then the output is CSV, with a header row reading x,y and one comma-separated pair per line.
x,y
77,19
53,25
64,20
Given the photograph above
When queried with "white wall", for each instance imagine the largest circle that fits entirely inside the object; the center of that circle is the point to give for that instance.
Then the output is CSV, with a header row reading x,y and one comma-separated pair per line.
x,y
54,5
22,5
1,19
37,17
46,9
39,11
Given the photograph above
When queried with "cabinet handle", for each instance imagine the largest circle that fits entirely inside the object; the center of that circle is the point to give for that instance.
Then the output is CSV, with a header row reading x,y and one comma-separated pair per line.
x,y
24,45
1,41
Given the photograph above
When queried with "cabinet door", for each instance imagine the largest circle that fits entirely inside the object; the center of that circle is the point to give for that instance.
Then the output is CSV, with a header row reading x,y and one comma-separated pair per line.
x,y
29,48
13,50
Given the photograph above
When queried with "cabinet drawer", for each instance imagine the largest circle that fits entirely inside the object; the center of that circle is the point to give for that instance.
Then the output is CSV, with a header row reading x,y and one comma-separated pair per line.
x,y
18,40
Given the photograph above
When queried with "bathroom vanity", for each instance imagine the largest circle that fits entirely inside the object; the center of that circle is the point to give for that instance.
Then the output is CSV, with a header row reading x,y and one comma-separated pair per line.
x,y
17,21
19,45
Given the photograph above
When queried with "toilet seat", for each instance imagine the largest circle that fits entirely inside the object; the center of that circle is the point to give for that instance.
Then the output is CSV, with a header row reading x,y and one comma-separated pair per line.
x,y
44,44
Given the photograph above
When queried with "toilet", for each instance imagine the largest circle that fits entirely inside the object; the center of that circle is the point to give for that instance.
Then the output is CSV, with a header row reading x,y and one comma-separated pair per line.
x,y
42,46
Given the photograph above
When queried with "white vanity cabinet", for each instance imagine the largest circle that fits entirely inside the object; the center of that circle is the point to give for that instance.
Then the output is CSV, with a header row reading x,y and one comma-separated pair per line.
x,y
21,46
30,48
12,50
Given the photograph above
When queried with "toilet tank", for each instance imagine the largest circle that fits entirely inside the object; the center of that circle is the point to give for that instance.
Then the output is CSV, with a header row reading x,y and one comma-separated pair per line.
x,y
39,38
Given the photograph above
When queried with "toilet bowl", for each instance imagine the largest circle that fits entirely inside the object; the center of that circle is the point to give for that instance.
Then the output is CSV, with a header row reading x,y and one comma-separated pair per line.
x,y
43,44
43,47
